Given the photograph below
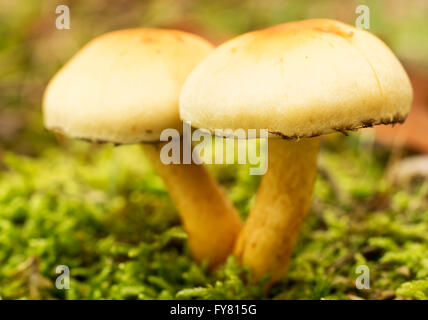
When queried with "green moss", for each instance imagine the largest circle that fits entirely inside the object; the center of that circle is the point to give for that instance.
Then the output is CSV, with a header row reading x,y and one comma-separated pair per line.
x,y
103,212
417,289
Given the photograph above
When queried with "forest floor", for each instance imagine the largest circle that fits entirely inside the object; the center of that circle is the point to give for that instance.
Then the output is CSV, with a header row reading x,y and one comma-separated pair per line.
x,y
103,212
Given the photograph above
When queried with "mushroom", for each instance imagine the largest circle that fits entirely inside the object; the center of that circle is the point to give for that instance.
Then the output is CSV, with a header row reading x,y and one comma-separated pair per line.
x,y
123,87
298,80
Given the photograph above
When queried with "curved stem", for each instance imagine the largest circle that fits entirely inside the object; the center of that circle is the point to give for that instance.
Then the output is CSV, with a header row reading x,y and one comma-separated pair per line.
x,y
283,199
210,219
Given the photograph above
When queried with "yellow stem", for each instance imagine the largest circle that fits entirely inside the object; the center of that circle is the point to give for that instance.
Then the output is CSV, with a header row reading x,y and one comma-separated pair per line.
x,y
210,219
283,199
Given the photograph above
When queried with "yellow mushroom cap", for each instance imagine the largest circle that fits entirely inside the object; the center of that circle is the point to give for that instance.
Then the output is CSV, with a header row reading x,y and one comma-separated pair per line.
x,y
124,86
298,79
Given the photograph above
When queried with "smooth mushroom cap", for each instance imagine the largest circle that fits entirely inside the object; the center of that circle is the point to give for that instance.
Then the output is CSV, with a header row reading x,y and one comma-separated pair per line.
x,y
123,87
298,79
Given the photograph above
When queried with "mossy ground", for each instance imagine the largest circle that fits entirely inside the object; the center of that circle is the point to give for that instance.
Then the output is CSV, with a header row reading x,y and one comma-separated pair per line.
x,y
103,212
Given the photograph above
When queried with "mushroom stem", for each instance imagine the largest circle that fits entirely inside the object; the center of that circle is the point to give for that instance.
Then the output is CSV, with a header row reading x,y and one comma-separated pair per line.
x,y
209,218
283,199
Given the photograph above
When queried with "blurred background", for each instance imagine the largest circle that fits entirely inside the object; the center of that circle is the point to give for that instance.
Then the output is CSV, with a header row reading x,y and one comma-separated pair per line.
x,y
104,212
32,49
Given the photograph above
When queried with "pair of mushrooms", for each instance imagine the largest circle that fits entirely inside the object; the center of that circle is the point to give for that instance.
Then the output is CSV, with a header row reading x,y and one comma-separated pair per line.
x,y
299,80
